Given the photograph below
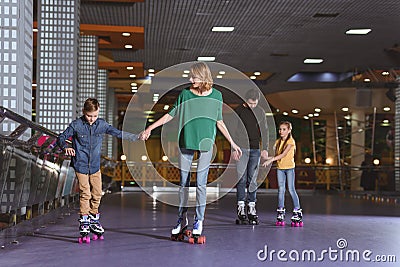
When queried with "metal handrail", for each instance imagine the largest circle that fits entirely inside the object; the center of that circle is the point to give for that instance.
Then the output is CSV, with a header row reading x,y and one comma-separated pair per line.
x,y
24,125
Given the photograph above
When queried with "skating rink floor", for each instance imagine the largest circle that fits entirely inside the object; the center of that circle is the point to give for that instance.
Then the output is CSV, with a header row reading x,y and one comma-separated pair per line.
x,y
338,231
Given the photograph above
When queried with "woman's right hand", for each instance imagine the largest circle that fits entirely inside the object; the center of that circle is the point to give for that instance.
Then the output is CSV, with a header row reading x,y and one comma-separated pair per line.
x,y
145,135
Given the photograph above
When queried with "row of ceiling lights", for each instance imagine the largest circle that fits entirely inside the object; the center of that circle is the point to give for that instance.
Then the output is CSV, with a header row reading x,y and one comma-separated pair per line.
x,y
231,28
318,110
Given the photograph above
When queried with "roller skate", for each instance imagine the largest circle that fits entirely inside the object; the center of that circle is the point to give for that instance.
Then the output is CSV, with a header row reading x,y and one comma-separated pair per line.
x,y
252,214
297,218
196,236
95,227
179,232
84,229
280,218
241,212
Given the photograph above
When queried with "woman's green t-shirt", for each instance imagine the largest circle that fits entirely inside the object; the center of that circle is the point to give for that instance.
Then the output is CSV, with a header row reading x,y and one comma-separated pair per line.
x,y
197,118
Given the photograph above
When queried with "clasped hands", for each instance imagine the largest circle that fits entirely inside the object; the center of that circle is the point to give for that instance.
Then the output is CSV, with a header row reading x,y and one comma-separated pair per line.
x,y
144,135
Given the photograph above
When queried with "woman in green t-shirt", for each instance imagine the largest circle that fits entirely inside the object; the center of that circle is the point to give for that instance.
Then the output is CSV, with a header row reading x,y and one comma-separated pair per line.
x,y
199,110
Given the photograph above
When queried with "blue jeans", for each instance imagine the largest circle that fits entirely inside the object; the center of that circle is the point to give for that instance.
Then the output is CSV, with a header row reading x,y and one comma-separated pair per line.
x,y
288,175
247,171
203,165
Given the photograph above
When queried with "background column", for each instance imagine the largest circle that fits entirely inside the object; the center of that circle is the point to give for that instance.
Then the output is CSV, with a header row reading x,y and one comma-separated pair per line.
x,y
57,63
357,145
16,45
397,136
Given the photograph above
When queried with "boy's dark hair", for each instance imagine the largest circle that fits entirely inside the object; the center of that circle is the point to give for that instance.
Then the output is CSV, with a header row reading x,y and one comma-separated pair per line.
x,y
253,94
91,104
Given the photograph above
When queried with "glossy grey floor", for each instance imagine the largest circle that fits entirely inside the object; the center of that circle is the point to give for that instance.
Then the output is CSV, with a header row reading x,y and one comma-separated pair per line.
x,y
337,231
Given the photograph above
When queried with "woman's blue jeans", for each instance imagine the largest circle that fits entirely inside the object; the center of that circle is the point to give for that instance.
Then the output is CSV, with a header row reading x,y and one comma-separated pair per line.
x,y
283,175
203,165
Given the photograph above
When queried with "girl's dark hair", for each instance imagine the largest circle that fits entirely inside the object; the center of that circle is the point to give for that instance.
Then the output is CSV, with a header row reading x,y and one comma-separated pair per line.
x,y
91,104
280,151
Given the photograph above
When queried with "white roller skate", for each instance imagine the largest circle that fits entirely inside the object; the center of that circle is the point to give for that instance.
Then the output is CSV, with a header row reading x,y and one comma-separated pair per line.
x,y
95,227
280,217
297,218
252,214
84,229
179,232
241,213
196,236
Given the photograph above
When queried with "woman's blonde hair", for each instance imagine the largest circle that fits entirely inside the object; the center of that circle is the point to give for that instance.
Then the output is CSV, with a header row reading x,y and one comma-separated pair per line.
x,y
202,71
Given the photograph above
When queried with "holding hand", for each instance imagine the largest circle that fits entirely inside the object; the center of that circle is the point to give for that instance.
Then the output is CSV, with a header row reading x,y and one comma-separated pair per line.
x,y
70,151
144,135
268,161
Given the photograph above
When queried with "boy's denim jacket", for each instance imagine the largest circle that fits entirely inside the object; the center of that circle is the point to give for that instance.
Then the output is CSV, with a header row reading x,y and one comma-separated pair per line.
x,y
87,140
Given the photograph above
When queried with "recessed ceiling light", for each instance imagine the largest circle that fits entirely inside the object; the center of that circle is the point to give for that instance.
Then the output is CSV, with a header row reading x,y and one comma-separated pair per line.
x,y
186,71
35,30
129,68
222,29
151,70
151,74
317,109
34,84
128,46
305,117
253,77
132,75
219,76
313,60
166,107
257,73
295,111
345,109
185,75
285,113
310,115
126,34
367,80
386,109
221,72
205,58
316,114
133,84
385,73
358,31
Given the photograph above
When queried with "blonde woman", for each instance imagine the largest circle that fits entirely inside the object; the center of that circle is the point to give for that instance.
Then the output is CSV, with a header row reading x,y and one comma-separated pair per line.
x,y
199,111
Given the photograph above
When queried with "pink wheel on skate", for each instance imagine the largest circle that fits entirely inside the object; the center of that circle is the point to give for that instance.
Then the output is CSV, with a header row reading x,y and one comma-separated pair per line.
x,y
191,240
278,223
95,237
84,239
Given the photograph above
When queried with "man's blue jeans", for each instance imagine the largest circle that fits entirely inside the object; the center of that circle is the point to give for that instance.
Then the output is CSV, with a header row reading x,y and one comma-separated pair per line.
x,y
247,171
